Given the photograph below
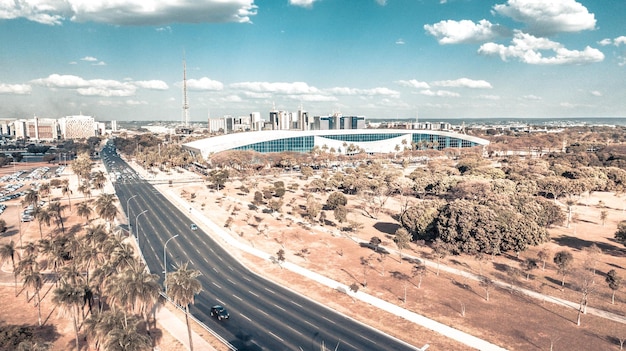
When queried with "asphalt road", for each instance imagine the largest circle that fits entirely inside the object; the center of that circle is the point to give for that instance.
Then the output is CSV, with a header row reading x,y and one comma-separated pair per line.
x,y
263,315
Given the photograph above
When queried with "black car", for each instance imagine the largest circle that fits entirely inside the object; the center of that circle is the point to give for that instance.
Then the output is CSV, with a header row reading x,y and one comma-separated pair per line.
x,y
220,312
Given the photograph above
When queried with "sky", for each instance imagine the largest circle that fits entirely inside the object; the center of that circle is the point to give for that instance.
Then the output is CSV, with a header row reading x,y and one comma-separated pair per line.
x,y
123,59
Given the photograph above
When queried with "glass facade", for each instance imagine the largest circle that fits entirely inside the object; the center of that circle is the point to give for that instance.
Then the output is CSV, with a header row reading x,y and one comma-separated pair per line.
x,y
297,144
354,138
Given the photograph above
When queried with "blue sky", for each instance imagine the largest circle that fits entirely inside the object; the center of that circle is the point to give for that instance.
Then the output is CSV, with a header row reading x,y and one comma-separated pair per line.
x,y
122,60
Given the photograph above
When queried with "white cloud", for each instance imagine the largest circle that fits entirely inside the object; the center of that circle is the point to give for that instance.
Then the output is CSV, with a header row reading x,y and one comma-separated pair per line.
x,y
465,31
204,84
605,42
15,89
73,63
619,40
595,93
439,93
413,83
400,41
489,97
463,83
382,2
89,59
152,84
545,17
164,29
302,3
277,87
130,12
101,63
530,49
232,98
312,98
98,87
363,92
531,97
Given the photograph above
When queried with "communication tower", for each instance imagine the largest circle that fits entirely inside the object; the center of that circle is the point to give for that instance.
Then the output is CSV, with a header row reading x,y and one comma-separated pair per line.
x,y
185,104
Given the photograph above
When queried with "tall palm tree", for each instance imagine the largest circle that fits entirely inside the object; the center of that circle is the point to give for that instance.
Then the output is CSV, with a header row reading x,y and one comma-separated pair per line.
x,y
127,337
30,249
85,189
69,299
65,189
105,206
31,198
182,285
44,190
42,215
123,257
96,236
84,210
34,280
99,179
56,209
9,251
139,289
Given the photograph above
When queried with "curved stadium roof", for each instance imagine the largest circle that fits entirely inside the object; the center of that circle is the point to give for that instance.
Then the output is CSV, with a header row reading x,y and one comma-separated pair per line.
x,y
370,140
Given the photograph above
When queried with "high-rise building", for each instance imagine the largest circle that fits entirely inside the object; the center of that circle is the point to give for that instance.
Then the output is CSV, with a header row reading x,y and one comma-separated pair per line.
x,y
78,127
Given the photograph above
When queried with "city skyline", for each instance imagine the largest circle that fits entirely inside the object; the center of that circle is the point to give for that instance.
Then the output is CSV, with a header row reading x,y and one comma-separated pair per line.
x,y
376,58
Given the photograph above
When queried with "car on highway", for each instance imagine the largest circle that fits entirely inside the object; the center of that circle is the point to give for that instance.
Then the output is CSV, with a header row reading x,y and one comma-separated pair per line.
x,y
193,226
219,312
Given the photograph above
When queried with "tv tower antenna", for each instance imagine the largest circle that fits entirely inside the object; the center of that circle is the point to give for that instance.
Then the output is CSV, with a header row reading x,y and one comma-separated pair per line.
x,y
185,104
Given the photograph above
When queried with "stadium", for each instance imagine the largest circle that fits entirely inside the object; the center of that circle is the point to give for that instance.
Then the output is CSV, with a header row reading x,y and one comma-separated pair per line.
x,y
346,141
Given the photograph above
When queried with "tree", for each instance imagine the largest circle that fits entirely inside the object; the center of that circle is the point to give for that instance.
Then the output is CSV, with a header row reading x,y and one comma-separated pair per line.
x,y
404,278
529,265
366,263
67,191
182,285
42,215
620,234
341,214
313,208
586,286
441,250
487,284
69,298
563,260
218,177
33,280
105,206
280,256
543,255
9,251
402,240
603,216
419,270
84,210
336,200
57,209
614,281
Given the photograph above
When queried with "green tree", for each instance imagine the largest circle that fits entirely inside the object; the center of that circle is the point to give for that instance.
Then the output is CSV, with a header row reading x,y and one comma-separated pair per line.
x,y
84,210
69,298
182,285
529,265
402,240
335,200
614,281
341,214
34,280
8,250
620,234
563,260
105,207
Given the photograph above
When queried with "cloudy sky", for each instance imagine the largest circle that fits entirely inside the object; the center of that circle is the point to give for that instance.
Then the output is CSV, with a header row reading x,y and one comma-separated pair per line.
x,y
123,59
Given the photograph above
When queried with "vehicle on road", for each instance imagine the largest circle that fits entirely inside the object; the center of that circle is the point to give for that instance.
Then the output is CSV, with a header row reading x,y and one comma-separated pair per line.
x,y
219,312
194,226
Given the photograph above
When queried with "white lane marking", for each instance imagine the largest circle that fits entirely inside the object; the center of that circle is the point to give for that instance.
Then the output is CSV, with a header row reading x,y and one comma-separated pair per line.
x,y
248,279
220,301
232,282
246,317
276,336
329,320
253,293
311,324
219,287
295,303
271,291
215,270
280,308
237,297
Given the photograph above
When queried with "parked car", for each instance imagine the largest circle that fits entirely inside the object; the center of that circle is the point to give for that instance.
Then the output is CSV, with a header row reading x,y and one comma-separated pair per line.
x,y
219,312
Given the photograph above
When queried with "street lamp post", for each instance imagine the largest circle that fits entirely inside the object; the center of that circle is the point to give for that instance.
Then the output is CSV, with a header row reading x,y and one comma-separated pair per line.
x,y
130,225
137,226
165,262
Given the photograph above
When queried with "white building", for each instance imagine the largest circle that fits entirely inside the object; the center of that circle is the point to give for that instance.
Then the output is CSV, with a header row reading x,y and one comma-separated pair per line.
x,y
78,127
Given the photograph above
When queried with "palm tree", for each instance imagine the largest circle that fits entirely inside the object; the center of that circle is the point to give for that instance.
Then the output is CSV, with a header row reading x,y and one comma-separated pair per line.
x,y
69,298
99,179
34,280
42,215
140,289
8,251
57,209
84,210
31,198
67,191
85,189
127,337
105,206
44,190
30,249
182,285
123,257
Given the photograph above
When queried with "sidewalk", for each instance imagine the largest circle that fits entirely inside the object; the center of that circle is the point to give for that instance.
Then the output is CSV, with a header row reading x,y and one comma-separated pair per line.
x,y
178,329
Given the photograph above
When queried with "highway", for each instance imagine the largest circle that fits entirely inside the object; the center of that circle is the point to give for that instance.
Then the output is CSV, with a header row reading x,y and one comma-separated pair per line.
x,y
263,315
